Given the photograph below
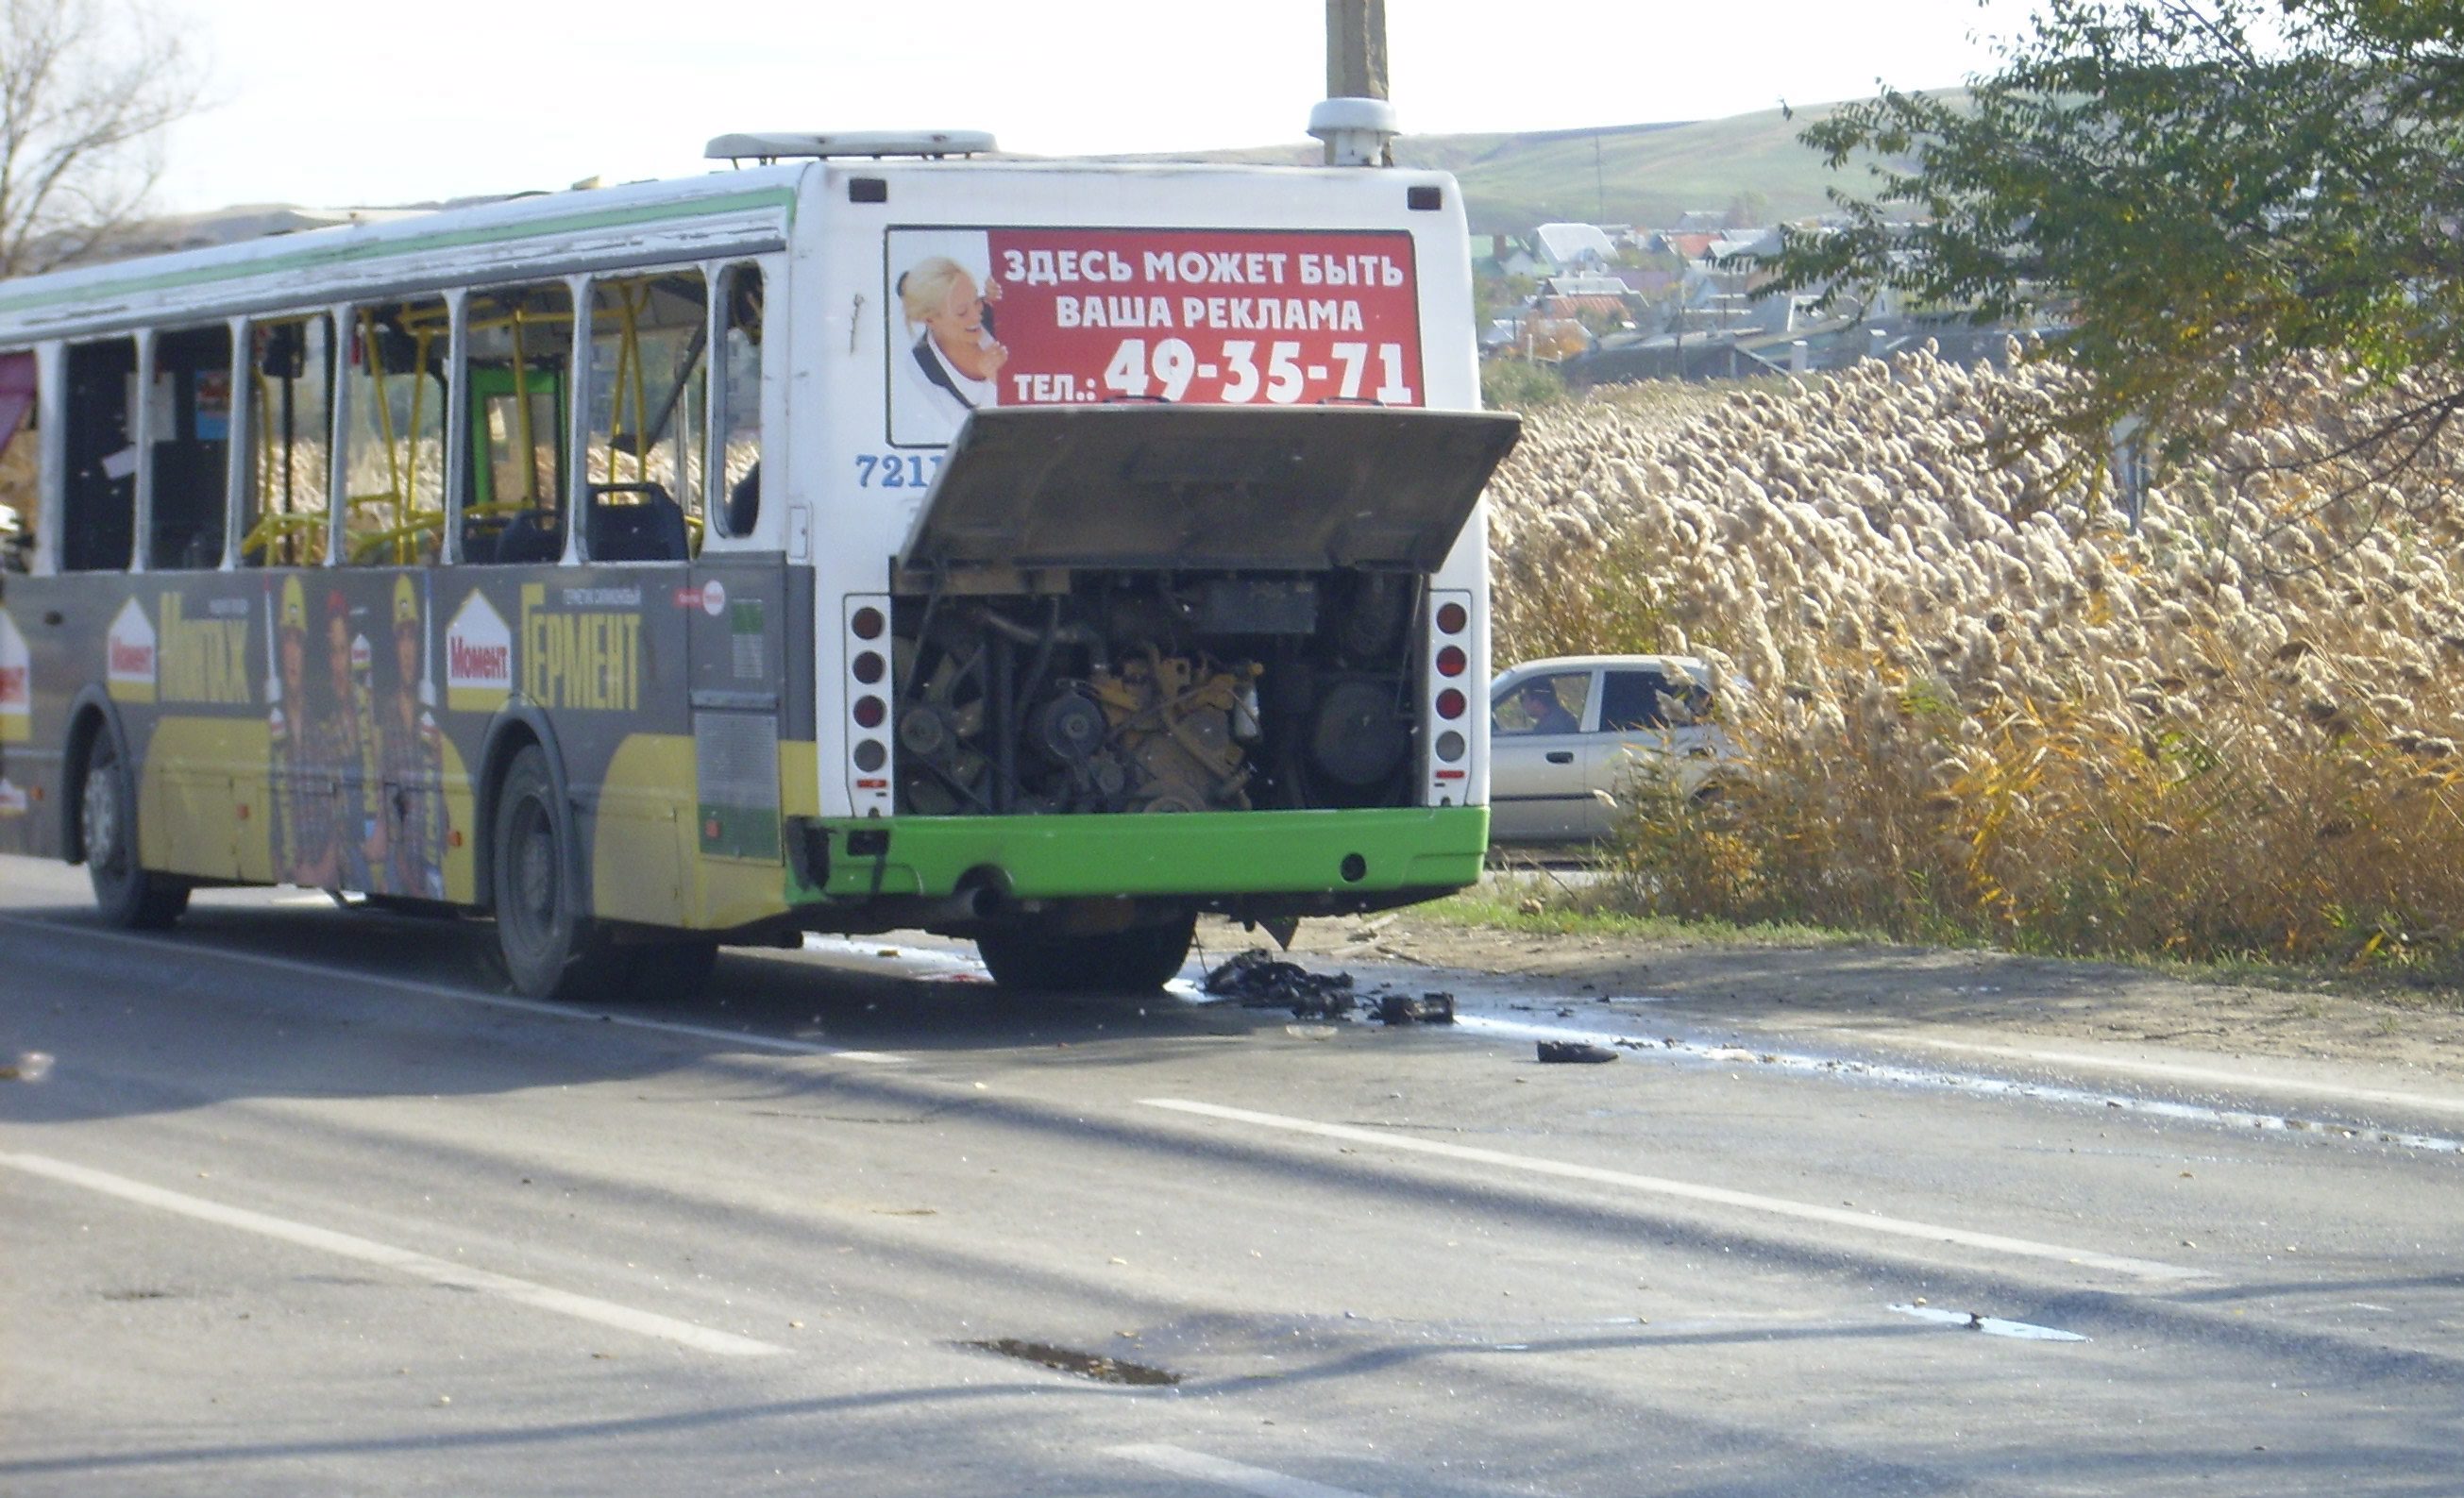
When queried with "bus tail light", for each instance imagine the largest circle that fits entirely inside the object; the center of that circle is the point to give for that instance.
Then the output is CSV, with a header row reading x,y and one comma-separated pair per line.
x,y
865,695
1446,768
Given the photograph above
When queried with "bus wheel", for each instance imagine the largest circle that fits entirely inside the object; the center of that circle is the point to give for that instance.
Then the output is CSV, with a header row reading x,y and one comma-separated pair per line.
x,y
1134,961
128,895
546,942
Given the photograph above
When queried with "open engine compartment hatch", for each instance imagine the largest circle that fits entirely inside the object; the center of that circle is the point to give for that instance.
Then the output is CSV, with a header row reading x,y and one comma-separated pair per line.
x,y
1301,488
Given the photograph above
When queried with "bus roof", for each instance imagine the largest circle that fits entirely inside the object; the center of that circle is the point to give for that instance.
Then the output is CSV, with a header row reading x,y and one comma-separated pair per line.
x,y
717,215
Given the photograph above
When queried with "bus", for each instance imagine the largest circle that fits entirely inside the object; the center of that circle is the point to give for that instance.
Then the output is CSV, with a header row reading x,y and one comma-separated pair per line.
x,y
870,533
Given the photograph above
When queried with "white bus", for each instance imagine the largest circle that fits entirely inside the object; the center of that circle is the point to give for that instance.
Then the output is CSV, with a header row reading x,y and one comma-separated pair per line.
x,y
879,535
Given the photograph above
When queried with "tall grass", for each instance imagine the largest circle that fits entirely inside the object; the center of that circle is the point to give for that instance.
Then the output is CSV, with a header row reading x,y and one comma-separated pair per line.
x,y
1976,703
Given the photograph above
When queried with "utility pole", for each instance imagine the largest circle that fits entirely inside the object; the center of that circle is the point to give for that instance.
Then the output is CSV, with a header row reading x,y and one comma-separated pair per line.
x,y
1355,54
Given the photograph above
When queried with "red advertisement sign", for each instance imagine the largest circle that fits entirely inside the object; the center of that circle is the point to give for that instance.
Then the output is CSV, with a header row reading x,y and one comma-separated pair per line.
x,y
1046,317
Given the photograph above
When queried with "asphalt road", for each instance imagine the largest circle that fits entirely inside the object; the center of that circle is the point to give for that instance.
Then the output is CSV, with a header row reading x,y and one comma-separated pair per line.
x,y
304,1205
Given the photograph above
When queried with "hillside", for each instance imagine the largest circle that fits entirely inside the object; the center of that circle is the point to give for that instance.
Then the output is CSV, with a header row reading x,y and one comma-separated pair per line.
x,y
1617,174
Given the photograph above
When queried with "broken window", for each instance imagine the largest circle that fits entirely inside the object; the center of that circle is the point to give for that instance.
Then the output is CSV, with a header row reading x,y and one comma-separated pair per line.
x,y
290,442
393,435
643,465
520,346
191,414
21,467
98,509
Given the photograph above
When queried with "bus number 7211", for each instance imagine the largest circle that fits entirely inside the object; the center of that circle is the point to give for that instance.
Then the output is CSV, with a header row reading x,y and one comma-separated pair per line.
x,y
897,470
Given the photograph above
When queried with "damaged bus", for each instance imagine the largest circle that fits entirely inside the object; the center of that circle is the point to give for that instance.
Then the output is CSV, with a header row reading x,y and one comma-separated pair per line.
x,y
872,534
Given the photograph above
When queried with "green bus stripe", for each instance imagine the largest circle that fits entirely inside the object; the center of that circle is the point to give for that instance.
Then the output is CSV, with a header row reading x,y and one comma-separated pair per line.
x,y
328,258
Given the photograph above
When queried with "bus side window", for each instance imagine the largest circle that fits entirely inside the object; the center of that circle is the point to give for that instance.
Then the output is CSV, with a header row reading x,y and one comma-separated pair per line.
x,y
643,465
20,462
519,342
393,435
735,420
290,403
99,512
191,414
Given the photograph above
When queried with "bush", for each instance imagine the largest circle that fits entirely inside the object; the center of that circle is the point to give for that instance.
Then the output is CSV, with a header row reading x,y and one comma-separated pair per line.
x,y
1976,703
1510,385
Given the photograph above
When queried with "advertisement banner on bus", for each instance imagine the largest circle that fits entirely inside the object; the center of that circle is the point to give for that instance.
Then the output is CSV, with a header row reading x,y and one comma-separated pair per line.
x,y
1053,317
17,684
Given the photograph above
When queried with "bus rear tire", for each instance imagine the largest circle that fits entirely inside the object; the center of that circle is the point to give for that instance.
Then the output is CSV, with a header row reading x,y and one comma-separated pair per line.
x,y
128,895
1036,958
548,947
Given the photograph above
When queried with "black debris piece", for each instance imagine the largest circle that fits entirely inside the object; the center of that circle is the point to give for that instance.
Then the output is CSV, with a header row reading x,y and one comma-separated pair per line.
x,y
1070,1360
1426,1009
1579,1053
1261,980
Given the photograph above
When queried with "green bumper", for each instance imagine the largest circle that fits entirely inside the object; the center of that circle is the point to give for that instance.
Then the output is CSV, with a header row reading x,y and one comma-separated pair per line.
x,y
1197,853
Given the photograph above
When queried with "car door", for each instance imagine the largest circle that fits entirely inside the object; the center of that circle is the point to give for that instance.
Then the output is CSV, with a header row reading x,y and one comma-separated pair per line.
x,y
1636,736
1537,790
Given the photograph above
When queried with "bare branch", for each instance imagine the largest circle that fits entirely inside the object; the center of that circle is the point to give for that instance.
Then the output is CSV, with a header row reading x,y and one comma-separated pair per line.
x,y
87,88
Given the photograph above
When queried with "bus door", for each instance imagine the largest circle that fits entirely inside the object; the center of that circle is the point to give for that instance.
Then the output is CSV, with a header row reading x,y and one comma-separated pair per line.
x,y
742,688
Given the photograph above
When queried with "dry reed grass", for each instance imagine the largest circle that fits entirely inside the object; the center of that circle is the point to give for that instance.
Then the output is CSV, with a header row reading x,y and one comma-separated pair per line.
x,y
1976,703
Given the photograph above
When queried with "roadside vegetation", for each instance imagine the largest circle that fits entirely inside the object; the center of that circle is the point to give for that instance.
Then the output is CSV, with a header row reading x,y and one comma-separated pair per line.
x,y
1978,704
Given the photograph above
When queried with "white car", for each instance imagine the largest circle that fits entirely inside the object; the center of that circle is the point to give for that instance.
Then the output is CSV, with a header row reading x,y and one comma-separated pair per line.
x,y
1566,733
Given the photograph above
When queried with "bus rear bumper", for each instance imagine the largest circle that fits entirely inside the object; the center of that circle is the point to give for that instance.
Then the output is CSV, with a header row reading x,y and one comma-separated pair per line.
x,y
1259,861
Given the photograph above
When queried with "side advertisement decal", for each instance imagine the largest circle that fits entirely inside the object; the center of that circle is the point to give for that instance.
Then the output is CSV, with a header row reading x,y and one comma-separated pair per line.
x,y
479,658
1044,317
204,660
356,771
325,727
128,656
16,685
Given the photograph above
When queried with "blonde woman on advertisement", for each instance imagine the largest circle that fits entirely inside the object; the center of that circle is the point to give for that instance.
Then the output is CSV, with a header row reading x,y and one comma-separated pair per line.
x,y
954,365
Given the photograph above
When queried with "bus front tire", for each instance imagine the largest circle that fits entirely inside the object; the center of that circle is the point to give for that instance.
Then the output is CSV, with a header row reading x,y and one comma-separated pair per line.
x,y
129,895
547,945
1036,958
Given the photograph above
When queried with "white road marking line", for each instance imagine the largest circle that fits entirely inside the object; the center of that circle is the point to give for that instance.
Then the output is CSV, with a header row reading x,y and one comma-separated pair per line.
x,y
2211,1076
1778,1207
412,986
1990,1325
1259,1480
418,1265
1972,1083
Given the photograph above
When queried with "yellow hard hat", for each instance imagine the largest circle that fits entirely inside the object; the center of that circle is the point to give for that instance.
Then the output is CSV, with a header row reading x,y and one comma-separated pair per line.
x,y
406,601
294,604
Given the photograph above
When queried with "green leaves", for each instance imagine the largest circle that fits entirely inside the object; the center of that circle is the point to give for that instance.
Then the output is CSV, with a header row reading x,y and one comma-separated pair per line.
x,y
2187,192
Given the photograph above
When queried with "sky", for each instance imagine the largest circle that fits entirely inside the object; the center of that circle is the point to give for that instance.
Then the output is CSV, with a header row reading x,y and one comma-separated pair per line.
x,y
351,105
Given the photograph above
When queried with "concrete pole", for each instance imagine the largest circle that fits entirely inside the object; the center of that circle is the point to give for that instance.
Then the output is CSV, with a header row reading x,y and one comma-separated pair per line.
x,y
1356,52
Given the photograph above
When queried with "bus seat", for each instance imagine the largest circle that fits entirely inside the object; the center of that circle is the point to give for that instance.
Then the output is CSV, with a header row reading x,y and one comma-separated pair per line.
x,y
532,536
187,504
649,529
479,536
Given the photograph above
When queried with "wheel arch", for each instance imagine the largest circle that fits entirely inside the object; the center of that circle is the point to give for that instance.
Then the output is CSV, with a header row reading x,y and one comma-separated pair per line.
x,y
519,726
92,715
